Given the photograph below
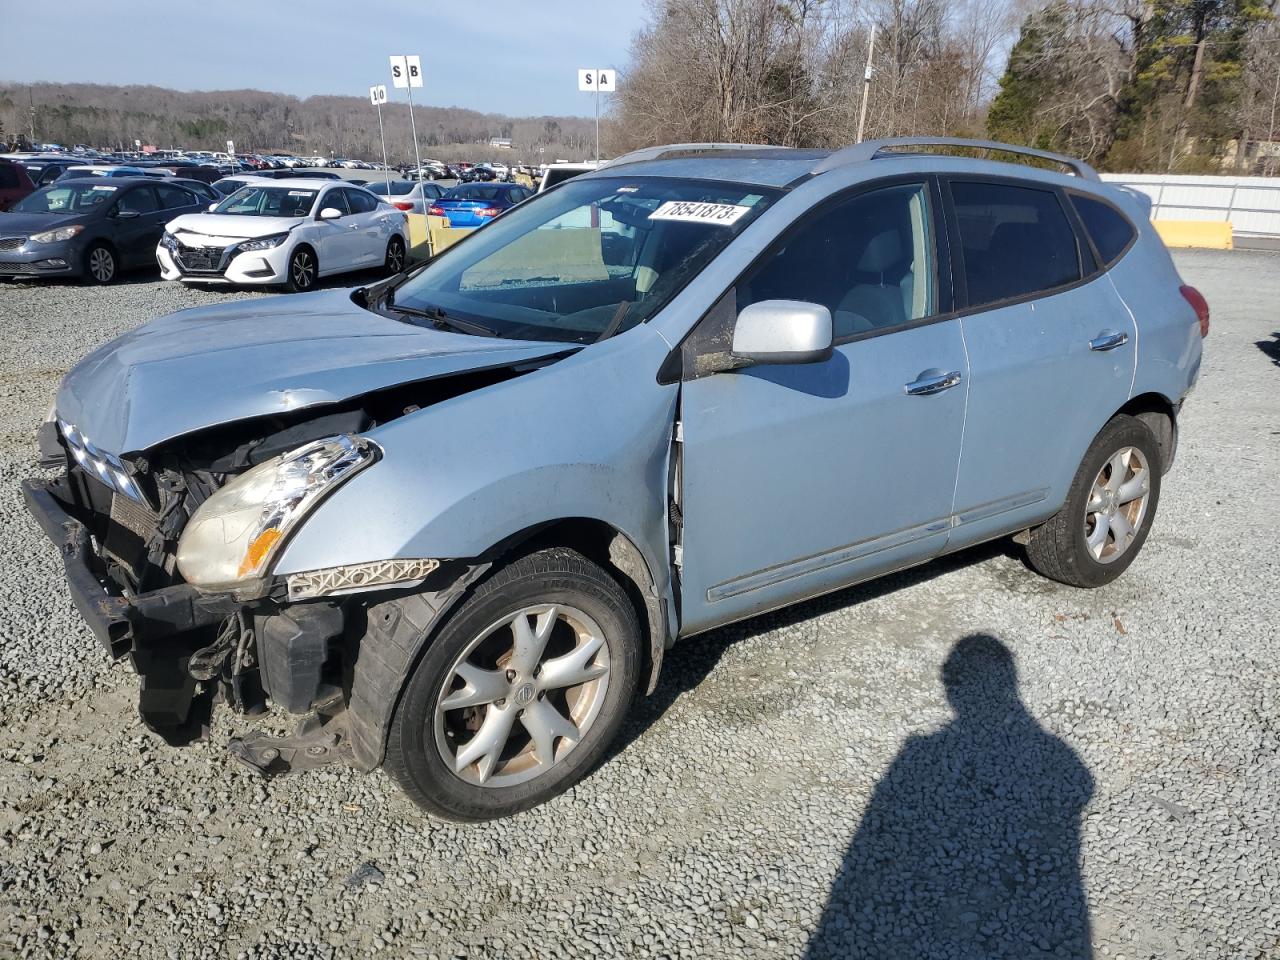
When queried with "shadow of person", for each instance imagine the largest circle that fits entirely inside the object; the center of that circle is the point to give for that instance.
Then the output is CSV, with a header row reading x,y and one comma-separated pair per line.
x,y
970,845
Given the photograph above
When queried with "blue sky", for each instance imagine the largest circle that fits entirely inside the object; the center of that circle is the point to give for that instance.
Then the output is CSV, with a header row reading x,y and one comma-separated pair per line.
x,y
517,57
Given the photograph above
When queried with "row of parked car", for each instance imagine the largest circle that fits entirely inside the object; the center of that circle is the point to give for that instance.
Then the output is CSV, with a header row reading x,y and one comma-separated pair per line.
x,y
244,230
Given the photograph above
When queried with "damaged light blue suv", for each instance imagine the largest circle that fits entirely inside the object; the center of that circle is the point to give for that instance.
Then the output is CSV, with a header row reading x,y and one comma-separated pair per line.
x,y
454,519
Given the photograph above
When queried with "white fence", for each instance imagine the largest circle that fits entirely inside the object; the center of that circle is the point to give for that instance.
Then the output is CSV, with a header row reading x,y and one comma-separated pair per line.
x,y
1250,204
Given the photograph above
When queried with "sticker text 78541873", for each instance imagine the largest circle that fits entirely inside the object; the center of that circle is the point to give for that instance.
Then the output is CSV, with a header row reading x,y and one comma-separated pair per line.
x,y
721,214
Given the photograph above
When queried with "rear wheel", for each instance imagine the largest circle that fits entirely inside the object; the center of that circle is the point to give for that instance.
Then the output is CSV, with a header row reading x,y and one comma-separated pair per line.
x,y
1109,510
521,692
395,256
100,264
303,270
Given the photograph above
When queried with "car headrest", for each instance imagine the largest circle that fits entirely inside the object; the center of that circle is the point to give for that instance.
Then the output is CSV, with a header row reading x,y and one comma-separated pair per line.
x,y
882,252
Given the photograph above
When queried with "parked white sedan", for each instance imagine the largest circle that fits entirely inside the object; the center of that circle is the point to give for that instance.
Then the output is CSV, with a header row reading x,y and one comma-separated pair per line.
x,y
284,232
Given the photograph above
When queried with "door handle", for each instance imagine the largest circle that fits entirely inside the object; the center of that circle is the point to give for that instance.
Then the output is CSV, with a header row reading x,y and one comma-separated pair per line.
x,y
931,381
1108,341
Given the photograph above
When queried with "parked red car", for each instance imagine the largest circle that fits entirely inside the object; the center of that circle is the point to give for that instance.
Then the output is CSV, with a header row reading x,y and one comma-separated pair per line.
x,y
14,183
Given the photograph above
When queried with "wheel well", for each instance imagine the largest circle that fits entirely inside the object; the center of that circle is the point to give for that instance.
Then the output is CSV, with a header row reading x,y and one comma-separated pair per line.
x,y
1161,418
613,550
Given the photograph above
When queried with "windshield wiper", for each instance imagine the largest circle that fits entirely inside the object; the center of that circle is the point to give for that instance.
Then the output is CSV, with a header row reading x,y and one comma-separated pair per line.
x,y
443,321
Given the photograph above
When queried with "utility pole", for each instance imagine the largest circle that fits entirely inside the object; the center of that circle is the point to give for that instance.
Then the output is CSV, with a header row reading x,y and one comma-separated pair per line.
x,y
866,84
31,99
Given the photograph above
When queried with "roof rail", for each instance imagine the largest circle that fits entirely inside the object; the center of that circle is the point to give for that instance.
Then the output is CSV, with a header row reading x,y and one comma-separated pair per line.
x,y
656,153
870,149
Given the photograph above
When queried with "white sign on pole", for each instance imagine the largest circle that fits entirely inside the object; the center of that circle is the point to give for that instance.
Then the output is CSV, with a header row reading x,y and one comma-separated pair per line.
x,y
399,72
137,144
378,94
415,71
593,81
231,147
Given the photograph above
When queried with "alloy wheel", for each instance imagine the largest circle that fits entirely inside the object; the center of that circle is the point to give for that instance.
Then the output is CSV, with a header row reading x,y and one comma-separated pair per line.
x,y
302,270
522,695
1117,504
102,264
395,257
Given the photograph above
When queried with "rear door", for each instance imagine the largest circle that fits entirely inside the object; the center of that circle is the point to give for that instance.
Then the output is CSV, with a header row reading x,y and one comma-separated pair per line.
x,y
1050,345
797,479
369,220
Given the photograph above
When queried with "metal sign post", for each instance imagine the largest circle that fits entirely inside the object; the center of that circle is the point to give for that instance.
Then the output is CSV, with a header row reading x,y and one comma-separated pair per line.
x,y
406,73
597,82
378,96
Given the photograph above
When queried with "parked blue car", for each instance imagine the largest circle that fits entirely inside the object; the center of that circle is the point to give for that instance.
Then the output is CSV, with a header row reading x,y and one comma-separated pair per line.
x,y
457,518
475,204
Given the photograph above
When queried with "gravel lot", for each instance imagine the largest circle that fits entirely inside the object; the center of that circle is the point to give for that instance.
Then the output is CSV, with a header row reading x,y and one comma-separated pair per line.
x,y
800,785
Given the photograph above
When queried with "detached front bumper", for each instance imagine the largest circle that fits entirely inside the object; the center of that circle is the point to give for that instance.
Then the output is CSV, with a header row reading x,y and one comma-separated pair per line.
x,y
255,267
159,629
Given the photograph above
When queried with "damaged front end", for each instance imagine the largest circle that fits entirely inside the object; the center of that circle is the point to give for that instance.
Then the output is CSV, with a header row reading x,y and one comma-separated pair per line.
x,y
168,557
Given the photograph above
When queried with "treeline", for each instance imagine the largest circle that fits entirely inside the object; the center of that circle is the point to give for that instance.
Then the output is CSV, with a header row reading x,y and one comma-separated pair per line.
x,y
1130,84
1172,85
258,121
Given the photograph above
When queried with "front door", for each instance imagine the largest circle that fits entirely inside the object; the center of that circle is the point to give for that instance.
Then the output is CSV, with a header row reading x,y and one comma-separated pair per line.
x,y
136,237
798,479
337,238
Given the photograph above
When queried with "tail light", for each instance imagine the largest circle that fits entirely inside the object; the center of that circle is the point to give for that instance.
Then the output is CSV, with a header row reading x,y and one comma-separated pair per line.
x,y
437,211
1199,304
487,212
401,205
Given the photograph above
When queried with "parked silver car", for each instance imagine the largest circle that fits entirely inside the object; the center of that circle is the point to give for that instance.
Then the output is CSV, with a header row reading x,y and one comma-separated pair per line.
x,y
457,518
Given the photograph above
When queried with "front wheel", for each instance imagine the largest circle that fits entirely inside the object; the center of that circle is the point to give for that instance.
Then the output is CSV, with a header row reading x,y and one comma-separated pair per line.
x,y
1109,510
100,264
302,271
521,692
394,262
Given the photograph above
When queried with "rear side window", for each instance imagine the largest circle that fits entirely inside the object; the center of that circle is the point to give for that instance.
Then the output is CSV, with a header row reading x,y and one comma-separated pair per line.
x,y
360,202
171,196
8,177
1109,229
1016,241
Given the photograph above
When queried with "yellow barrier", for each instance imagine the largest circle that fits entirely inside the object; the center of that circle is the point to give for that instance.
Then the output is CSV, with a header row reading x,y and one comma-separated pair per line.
x,y
1214,234
442,235
419,236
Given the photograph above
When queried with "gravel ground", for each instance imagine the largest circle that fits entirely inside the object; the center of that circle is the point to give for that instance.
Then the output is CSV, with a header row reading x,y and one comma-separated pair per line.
x,y
964,754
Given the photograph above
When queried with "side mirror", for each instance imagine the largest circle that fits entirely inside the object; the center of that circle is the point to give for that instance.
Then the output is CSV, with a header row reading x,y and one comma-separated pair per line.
x,y
330,213
783,331
213,207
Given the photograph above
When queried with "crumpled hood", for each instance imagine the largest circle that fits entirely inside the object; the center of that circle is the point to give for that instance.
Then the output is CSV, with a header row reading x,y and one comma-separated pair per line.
x,y
207,366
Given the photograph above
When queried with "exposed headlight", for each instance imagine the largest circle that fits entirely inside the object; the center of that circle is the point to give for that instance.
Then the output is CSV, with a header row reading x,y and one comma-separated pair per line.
x,y
169,241
58,235
234,536
262,243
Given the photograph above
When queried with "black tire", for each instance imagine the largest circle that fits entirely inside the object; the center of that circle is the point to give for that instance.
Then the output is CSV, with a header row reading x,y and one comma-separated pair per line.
x,y
303,270
395,258
1058,549
100,265
555,575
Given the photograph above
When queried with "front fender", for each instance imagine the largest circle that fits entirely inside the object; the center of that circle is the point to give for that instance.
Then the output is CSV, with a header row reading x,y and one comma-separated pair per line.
x,y
588,436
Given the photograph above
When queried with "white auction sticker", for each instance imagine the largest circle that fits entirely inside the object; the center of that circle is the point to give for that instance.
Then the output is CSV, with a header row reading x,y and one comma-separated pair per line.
x,y
301,193
723,214
103,186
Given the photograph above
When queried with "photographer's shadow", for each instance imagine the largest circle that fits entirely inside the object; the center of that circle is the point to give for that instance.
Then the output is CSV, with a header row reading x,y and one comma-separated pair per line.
x,y
970,845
